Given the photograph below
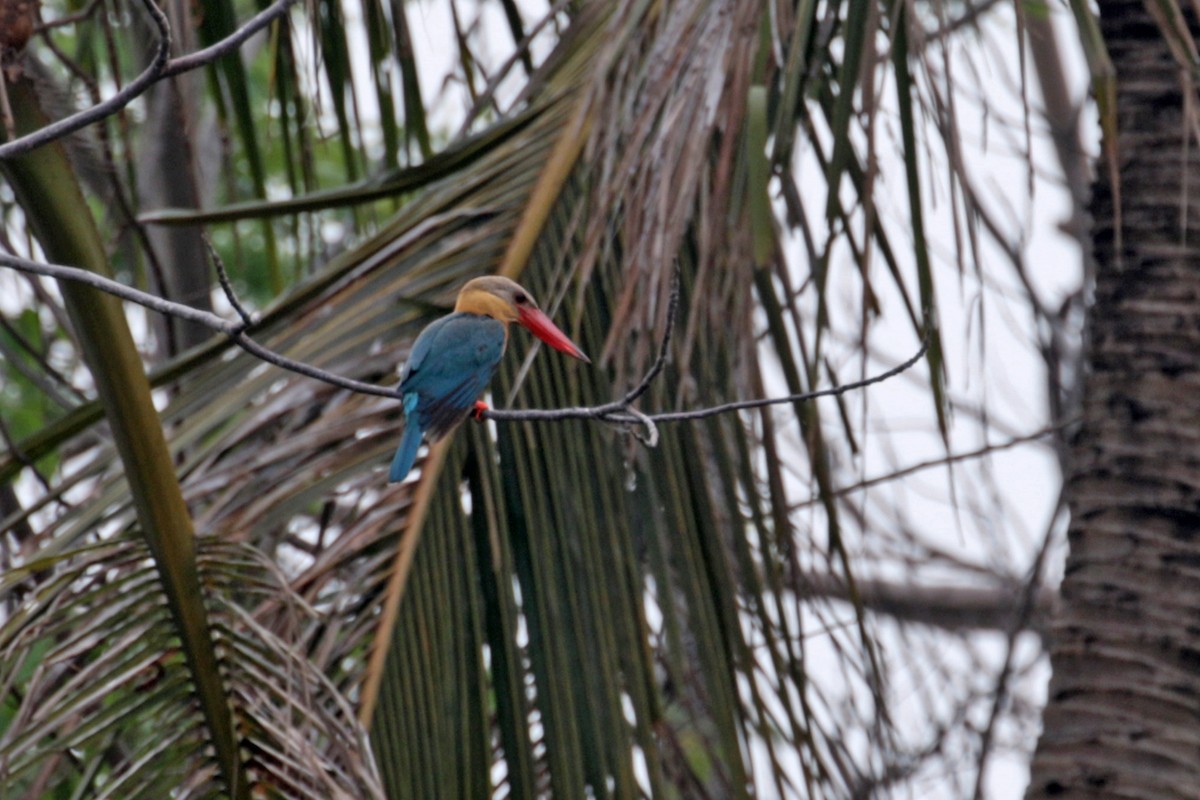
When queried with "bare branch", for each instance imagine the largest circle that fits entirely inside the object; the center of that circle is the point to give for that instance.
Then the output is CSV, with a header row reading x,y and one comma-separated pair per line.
x,y
234,330
712,411
152,73
233,41
299,367
664,348
162,66
79,16
150,301
617,412
621,411
226,285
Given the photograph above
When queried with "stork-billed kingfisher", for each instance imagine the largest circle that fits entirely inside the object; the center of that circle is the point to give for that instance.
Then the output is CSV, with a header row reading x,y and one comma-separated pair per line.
x,y
454,358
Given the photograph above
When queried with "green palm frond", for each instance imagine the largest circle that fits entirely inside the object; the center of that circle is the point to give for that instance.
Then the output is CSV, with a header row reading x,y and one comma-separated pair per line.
x,y
105,694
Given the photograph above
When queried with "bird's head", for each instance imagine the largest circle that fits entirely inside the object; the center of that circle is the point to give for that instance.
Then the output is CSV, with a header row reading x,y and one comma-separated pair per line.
x,y
505,300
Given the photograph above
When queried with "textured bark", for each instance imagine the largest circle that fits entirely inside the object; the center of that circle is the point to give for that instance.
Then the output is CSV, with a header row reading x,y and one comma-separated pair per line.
x,y
1123,713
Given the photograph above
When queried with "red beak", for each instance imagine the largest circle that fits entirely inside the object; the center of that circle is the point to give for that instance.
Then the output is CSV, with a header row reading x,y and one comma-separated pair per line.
x,y
541,326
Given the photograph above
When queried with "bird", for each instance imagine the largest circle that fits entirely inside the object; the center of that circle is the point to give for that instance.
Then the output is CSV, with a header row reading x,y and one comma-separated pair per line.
x,y
453,360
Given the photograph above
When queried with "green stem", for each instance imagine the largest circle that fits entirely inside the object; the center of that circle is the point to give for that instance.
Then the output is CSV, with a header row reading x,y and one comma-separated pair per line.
x,y
48,192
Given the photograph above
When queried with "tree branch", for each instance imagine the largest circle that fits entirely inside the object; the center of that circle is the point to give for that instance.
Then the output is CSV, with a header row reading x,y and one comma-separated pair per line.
x,y
162,66
619,412
236,331
202,58
150,301
622,412
1006,606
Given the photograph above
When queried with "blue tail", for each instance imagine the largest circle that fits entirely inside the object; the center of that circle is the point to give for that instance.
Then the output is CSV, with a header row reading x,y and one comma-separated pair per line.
x,y
406,453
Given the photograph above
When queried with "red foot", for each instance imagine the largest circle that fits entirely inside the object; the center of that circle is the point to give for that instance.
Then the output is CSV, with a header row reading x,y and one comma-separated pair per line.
x,y
480,407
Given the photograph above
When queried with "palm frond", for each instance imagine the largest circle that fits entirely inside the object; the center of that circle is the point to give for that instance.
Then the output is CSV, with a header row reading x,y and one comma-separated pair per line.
x,y
97,656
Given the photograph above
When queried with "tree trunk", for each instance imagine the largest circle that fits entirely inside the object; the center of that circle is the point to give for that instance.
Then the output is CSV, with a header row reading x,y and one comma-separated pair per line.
x,y
1123,714
170,176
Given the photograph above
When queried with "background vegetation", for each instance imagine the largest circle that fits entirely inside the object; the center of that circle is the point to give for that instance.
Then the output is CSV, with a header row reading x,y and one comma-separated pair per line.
x,y
210,589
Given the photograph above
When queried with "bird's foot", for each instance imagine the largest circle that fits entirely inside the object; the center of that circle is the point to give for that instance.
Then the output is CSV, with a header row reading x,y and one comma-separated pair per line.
x,y
480,407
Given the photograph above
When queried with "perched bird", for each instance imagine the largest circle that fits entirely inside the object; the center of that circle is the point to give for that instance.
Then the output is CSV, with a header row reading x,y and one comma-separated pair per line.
x,y
454,358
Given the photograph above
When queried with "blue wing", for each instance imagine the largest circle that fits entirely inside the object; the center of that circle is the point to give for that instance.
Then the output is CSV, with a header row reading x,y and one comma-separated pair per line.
x,y
451,363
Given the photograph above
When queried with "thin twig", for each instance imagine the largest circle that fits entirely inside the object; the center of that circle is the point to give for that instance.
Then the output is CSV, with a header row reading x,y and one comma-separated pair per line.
x,y
236,331
271,357
664,348
615,412
17,454
233,41
226,285
162,66
70,19
712,411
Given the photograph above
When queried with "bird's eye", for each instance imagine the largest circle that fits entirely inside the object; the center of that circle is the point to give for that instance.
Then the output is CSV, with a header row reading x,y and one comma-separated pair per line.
x,y
520,299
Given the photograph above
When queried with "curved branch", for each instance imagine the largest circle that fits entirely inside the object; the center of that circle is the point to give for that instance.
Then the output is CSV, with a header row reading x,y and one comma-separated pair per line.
x,y
150,301
132,90
664,348
300,368
162,66
622,412
233,41
236,331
